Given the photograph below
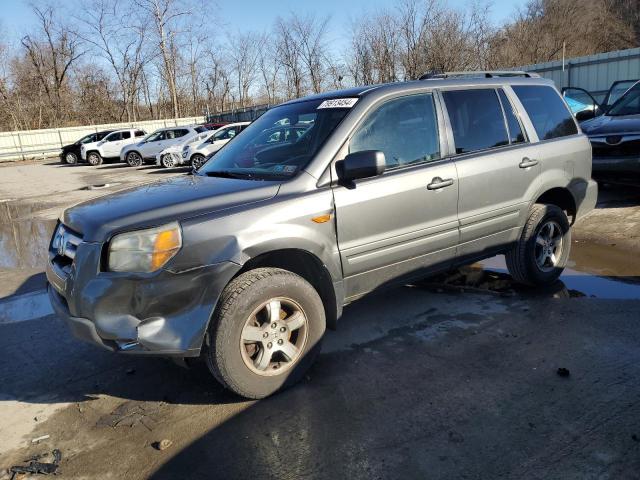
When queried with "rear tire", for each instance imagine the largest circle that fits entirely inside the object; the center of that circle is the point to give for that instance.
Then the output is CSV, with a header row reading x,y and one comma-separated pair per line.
x,y
94,158
266,332
542,251
134,159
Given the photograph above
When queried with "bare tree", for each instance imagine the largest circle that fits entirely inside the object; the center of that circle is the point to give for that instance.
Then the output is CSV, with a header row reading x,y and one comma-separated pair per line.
x,y
52,51
243,54
165,17
120,41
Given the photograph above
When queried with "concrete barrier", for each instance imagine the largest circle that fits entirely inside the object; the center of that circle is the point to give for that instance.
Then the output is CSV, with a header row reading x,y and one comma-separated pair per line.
x,y
30,144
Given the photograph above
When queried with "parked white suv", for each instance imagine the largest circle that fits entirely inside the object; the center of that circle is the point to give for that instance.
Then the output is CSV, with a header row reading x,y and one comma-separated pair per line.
x,y
197,154
147,149
110,146
172,156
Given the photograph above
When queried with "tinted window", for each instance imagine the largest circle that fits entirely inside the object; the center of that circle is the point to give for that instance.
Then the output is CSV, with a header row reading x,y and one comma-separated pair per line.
x,y
515,129
126,135
404,129
476,119
140,133
200,129
114,137
547,111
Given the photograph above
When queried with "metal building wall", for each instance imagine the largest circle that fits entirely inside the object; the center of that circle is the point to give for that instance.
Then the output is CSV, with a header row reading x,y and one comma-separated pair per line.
x,y
594,73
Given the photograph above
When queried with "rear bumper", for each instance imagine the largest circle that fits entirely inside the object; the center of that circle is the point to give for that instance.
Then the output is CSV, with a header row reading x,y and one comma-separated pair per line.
x,y
586,196
160,314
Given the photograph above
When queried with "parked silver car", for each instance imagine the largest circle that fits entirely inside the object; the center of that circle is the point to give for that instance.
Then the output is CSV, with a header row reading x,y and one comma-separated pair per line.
x,y
150,146
246,263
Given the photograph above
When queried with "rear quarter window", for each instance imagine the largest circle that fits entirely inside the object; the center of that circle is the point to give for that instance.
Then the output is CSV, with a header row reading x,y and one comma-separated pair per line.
x,y
550,116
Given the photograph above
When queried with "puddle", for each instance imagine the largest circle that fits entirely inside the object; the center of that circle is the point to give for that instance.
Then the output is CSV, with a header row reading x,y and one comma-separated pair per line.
x,y
600,271
25,231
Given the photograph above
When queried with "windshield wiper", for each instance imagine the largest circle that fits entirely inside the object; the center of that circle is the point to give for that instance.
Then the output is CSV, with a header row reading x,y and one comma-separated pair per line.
x,y
228,174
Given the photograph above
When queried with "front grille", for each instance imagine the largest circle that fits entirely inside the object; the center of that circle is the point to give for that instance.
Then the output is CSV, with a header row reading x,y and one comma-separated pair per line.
x,y
64,246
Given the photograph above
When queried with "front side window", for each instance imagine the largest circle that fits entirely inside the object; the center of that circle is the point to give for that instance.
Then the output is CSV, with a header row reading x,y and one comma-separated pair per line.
x,y
156,136
476,119
628,104
88,139
550,116
404,129
515,129
250,156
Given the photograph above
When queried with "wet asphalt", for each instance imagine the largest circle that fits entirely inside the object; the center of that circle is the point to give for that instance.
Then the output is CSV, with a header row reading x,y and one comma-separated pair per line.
x,y
453,377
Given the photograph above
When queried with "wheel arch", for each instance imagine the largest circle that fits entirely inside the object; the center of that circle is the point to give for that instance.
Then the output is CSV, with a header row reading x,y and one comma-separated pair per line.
x,y
308,266
562,198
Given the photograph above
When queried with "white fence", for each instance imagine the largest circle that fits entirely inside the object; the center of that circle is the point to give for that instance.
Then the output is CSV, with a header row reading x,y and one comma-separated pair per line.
x,y
28,144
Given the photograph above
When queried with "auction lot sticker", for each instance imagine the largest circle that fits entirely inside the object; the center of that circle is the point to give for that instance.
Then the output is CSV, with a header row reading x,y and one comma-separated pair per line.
x,y
338,103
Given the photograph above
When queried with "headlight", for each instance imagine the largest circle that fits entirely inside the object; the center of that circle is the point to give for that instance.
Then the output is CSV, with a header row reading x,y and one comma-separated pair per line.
x,y
144,250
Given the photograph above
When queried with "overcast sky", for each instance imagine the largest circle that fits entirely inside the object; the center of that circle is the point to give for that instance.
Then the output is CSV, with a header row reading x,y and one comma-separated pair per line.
x,y
16,16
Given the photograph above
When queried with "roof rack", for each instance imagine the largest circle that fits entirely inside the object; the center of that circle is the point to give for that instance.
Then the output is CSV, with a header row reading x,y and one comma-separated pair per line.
x,y
480,73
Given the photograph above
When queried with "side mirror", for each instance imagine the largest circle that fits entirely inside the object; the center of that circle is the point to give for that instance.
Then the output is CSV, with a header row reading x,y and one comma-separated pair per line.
x,y
585,115
364,164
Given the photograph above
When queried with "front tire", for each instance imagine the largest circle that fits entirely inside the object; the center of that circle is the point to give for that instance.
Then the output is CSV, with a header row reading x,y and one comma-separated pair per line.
x,y
542,251
266,332
70,158
94,158
134,159
167,161
197,161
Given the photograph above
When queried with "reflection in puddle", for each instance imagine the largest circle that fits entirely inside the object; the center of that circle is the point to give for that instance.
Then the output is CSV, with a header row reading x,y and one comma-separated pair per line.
x,y
25,231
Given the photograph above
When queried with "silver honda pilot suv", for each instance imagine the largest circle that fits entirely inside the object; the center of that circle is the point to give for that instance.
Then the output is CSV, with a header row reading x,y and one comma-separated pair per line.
x,y
247,260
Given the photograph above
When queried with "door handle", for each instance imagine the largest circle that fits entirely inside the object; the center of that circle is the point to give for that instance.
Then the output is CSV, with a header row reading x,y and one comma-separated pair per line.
x,y
528,162
438,183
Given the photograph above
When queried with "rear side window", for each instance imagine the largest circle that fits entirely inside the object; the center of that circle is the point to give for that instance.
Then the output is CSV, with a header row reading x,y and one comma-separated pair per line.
x,y
126,135
404,129
476,119
515,129
548,113
140,133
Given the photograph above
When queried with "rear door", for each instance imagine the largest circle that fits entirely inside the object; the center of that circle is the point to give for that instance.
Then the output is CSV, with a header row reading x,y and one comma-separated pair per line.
x,y
404,221
496,167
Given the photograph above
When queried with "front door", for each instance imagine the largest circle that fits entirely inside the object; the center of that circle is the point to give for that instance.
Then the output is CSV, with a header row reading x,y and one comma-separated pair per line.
x,y
496,168
112,145
404,221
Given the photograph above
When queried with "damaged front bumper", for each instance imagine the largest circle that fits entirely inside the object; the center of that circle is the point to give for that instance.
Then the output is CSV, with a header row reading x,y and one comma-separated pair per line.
x,y
164,313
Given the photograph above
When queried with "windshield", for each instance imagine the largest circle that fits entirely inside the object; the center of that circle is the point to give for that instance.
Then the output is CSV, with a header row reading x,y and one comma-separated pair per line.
x,y
258,154
628,104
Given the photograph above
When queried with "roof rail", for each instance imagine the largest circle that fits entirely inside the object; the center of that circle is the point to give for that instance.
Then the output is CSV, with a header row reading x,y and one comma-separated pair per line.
x,y
480,73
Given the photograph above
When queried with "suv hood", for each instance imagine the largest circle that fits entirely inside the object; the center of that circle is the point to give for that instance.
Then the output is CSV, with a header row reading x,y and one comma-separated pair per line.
x,y
609,125
162,202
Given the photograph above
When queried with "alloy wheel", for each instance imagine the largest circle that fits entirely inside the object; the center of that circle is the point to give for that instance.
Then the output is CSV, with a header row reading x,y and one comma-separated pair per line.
x,y
71,158
548,247
167,161
134,160
274,336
